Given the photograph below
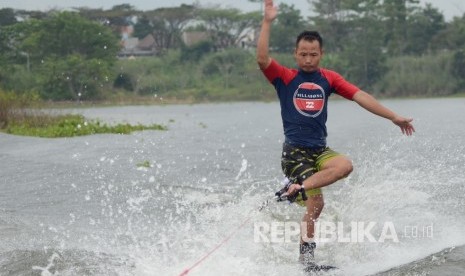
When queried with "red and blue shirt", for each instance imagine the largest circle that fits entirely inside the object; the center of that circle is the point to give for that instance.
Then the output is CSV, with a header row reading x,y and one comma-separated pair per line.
x,y
303,98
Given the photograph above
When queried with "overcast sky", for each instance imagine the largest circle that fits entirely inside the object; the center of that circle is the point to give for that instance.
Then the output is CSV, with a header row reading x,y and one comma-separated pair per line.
x,y
449,8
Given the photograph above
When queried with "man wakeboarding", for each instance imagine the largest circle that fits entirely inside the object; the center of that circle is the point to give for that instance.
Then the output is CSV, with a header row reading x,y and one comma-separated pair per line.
x,y
303,95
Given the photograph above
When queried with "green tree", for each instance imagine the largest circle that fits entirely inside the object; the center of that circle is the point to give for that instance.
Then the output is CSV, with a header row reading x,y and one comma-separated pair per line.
x,y
68,33
3,50
287,26
143,27
227,27
330,20
429,75
225,64
352,33
124,81
7,17
70,55
196,52
167,25
458,69
396,13
423,25
363,45
15,61
72,77
116,18
452,37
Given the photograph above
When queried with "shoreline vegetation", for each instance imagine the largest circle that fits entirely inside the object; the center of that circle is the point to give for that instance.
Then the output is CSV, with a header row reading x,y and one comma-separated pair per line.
x,y
136,100
26,115
149,101
191,54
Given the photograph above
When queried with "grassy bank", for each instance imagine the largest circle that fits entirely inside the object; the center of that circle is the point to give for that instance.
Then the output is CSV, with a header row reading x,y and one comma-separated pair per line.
x,y
128,100
23,115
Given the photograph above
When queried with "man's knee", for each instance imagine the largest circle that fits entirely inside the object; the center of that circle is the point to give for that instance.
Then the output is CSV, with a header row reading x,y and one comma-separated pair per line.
x,y
341,165
346,168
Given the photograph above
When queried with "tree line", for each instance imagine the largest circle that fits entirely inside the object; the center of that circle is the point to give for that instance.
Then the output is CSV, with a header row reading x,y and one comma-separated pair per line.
x,y
393,47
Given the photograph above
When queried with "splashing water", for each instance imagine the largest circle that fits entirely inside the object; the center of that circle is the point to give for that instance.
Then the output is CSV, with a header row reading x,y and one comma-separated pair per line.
x,y
81,206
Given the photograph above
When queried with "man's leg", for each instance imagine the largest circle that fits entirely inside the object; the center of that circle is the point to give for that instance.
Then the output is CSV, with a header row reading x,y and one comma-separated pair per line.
x,y
314,206
331,170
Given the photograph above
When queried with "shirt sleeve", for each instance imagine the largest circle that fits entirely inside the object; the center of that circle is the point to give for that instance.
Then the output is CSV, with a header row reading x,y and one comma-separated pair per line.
x,y
340,85
277,71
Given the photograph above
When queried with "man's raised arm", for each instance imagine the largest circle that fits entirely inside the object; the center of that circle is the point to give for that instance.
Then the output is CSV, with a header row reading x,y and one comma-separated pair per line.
x,y
270,13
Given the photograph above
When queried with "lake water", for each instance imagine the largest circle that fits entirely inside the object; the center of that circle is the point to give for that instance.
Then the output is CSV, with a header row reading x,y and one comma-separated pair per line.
x,y
85,206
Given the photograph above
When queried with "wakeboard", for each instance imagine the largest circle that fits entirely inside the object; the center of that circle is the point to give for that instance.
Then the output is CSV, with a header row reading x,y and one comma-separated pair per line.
x,y
313,267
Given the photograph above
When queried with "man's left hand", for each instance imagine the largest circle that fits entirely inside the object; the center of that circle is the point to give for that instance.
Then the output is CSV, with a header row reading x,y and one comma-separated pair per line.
x,y
405,125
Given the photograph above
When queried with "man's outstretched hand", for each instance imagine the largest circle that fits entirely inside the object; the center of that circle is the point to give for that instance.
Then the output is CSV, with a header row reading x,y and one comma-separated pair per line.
x,y
405,125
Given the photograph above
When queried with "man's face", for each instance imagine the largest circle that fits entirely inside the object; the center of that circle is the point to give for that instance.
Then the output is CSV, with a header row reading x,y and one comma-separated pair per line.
x,y
308,55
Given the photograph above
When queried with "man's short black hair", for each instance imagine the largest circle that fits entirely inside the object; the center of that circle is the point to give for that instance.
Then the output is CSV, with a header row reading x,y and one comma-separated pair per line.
x,y
309,36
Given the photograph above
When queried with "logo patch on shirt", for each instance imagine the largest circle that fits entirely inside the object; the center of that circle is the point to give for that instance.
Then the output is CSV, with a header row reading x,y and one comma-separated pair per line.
x,y
309,99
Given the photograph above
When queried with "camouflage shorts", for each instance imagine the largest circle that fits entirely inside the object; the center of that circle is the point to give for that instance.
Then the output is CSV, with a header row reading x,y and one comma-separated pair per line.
x,y
301,163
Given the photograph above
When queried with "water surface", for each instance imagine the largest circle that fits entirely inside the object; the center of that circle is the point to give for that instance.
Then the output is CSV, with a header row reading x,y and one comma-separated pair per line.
x,y
83,206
